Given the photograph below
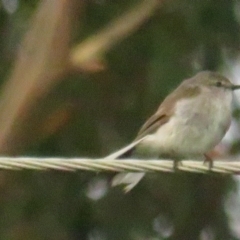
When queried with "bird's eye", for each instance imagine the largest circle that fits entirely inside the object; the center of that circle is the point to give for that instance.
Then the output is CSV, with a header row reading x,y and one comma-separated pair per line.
x,y
218,84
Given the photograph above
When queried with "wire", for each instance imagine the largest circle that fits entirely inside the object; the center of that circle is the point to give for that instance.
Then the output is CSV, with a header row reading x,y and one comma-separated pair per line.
x,y
123,165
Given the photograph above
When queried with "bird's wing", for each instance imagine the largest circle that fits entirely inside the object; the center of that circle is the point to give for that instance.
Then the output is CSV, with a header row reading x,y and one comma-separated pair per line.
x,y
152,124
166,109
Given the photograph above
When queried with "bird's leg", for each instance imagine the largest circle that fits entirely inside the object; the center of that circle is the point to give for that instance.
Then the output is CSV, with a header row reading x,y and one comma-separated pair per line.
x,y
176,164
208,161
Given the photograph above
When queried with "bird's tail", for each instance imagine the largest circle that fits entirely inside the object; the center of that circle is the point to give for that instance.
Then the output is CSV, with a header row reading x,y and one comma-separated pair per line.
x,y
130,180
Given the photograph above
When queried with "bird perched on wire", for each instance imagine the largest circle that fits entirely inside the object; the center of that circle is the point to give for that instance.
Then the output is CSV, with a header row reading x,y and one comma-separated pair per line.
x,y
191,121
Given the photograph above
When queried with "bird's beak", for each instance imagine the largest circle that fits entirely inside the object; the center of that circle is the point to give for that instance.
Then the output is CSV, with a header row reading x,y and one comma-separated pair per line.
x,y
235,87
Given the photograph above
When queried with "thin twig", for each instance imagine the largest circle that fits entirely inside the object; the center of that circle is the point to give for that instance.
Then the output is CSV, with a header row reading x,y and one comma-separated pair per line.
x,y
93,47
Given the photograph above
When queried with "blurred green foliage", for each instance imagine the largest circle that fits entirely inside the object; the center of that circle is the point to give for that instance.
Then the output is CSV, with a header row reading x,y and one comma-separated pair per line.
x,y
107,109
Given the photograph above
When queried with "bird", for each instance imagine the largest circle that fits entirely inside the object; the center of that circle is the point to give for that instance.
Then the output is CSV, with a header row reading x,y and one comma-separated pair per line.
x,y
190,122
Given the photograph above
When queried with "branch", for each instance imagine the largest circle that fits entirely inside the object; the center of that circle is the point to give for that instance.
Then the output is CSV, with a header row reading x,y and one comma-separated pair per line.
x,y
40,61
92,49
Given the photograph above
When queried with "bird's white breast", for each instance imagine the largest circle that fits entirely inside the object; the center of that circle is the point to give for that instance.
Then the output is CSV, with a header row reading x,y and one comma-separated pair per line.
x,y
197,125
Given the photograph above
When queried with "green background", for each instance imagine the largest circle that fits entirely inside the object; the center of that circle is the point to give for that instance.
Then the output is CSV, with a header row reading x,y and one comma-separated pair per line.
x,y
93,113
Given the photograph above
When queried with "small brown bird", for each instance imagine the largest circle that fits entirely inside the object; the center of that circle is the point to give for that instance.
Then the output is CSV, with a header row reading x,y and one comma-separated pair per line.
x,y
191,121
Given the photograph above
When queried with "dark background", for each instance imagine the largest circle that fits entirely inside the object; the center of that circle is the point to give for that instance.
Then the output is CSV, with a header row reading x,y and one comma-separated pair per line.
x,y
76,82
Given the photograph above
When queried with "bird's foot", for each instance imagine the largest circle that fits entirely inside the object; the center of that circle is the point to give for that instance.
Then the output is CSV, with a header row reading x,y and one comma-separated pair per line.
x,y
208,161
176,164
